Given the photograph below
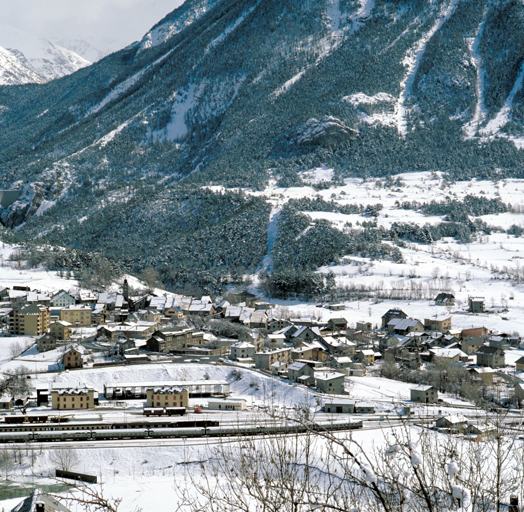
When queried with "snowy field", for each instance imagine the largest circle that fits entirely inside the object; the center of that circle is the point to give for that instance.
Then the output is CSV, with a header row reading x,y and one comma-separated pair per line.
x,y
489,266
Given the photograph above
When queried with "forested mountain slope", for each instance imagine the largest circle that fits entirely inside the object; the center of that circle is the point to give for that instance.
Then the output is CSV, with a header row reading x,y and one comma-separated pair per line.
x,y
231,92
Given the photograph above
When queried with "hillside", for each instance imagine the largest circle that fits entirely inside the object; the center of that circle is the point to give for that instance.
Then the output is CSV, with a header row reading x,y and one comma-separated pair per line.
x,y
242,93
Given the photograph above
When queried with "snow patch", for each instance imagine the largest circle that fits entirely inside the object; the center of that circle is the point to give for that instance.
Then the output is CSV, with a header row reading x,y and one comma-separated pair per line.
x,y
317,175
383,119
360,98
44,207
177,128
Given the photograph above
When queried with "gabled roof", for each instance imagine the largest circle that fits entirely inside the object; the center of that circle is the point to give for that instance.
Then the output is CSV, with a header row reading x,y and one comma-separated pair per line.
x,y
402,325
393,312
447,352
326,376
29,504
455,419
488,350
422,388
297,366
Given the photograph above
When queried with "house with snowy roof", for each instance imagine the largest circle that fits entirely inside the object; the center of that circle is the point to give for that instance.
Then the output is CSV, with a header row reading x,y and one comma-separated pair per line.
x,y
305,333
301,372
445,299
366,356
424,394
455,422
167,396
482,374
38,501
404,326
73,398
330,382
447,355
390,315
491,356
242,350
339,406
72,357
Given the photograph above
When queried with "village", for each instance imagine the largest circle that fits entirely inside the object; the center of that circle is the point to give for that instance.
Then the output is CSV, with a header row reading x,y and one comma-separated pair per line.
x,y
90,330
139,364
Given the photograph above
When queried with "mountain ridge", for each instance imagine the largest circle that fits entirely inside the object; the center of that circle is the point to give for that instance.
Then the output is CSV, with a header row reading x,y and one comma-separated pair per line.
x,y
34,59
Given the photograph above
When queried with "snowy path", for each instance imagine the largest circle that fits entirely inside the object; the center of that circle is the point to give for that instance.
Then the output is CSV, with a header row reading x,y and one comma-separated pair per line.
x,y
412,60
272,231
470,129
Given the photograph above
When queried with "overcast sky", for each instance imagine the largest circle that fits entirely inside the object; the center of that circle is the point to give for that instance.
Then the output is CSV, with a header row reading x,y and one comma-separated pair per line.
x,y
104,20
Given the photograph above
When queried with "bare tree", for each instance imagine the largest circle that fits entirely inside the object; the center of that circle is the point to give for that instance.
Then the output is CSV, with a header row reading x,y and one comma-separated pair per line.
x,y
6,461
411,469
91,498
64,458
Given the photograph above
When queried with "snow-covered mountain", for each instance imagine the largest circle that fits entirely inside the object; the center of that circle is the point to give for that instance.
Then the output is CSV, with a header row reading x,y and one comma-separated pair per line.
x,y
90,49
14,72
244,93
25,58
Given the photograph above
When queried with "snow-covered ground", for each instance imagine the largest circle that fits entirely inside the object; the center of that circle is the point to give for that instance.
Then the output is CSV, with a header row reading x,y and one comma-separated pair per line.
x,y
489,266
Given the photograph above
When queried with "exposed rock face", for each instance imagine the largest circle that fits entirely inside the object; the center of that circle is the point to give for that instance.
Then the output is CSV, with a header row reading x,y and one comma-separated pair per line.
x,y
327,132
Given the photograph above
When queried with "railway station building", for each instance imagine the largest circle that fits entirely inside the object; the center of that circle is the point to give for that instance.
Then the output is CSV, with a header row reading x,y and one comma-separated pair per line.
x,y
72,398
167,396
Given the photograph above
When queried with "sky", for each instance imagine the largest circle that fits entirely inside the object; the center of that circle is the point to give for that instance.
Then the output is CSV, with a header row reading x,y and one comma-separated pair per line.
x,y
119,21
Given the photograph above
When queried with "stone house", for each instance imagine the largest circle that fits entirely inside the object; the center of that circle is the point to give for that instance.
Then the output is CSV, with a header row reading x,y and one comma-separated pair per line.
x,y
169,340
491,356
476,304
61,330
338,324
438,324
471,345
72,358
330,382
404,326
424,394
390,314
483,375
447,355
312,351
242,350
46,342
264,360
302,373
364,326
366,356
